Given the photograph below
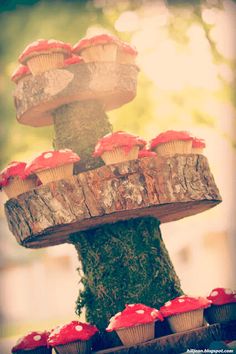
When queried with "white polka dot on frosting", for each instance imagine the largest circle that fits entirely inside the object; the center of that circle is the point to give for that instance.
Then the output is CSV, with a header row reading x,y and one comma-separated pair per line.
x,y
168,303
214,293
182,296
117,315
131,305
181,300
140,312
37,338
48,155
154,313
78,328
228,291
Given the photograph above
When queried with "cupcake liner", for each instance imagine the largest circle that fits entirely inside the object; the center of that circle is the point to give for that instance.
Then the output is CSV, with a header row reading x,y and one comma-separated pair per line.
x,y
100,52
125,58
186,321
39,350
18,186
197,150
220,313
55,174
118,155
174,147
82,347
136,334
43,62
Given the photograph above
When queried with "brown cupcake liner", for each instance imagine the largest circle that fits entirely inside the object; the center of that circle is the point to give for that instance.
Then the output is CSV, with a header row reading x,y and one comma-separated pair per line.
x,y
136,334
100,52
39,350
174,147
43,62
125,58
80,346
18,186
55,174
220,313
118,155
197,150
186,321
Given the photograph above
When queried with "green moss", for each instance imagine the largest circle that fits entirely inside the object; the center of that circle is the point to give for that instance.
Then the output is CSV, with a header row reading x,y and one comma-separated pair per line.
x,y
125,262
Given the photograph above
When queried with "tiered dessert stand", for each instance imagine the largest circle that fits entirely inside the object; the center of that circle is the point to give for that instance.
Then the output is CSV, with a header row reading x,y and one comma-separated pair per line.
x,y
110,213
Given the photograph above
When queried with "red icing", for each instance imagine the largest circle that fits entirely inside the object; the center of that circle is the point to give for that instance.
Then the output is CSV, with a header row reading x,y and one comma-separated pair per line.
x,y
146,153
44,45
117,139
128,48
31,340
221,296
71,332
14,168
198,143
169,135
50,159
20,72
184,303
99,39
134,315
75,59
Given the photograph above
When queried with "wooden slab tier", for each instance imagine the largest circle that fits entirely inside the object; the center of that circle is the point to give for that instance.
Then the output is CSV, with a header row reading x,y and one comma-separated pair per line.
x,y
199,338
109,83
166,188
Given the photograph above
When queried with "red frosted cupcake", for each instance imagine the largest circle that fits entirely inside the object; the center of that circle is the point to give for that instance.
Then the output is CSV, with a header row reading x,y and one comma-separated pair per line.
x,y
43,55
33,343
172,142
53,165
72,338
146,153
198,145
118,147
20,73
13,179
135,324
126,53
102,47
185,312
223,306
75,59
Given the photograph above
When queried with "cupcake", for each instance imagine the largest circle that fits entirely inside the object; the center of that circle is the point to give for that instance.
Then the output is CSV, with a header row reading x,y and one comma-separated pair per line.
x,y
126,54
198,146
135,324
75,59
33,343
72,338
223,306
102,47
43,55
13,179
53,165
172,142
20,73
185,312
146,153
118,147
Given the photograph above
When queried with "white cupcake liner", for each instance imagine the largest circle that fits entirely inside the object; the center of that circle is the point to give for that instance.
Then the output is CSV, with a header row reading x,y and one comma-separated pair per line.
x,y
17,186
46,61
55,174
125,58
100,52
174,147
118,155
186,321
136,334
80,346
197,150
220,313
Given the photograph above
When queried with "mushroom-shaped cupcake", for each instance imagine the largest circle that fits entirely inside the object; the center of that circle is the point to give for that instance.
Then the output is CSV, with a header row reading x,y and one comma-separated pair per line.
x,y
118,147
135,324
75,59
102,47
53,165
185,312
172,142
20,73
126,53
146,153
72,338
223,306
43,55
198,146
33,343
13,179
